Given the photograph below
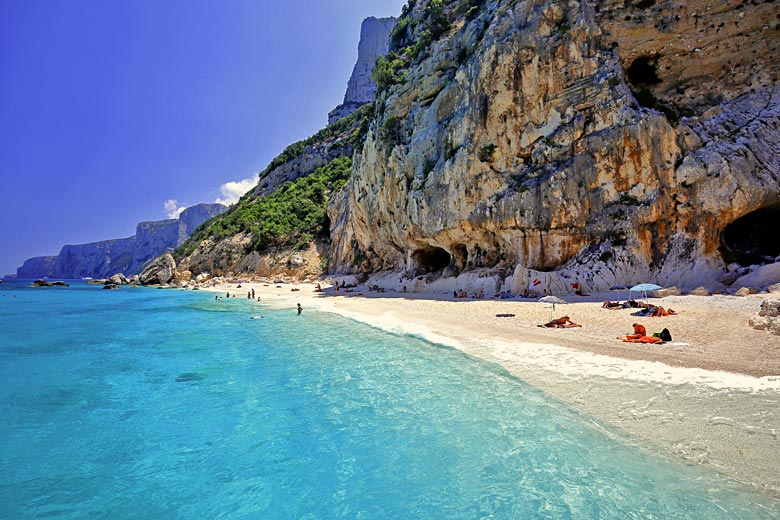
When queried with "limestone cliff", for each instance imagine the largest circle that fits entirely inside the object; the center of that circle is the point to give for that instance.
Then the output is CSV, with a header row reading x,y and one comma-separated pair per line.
x,y
125,255
37,267
361,89
611,142
96,259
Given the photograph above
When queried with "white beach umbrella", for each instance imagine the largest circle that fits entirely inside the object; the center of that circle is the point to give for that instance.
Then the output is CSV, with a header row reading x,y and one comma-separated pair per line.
x,y
553,300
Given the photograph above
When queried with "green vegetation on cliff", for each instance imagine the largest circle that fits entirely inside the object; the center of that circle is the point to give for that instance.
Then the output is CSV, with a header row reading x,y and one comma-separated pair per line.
x,y
293,215
411,37
351,131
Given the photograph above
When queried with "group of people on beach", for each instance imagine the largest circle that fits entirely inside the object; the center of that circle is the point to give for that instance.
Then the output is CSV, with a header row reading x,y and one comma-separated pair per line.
x,y
648,309
463,294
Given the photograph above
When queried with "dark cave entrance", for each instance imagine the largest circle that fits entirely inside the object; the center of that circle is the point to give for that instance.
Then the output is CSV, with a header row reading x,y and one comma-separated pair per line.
x,y
430,260
754,238
643,72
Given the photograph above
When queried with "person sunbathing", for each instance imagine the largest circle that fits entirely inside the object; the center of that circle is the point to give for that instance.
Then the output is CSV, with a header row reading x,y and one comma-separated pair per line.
x,y
612,305
658,312
564,322
645,339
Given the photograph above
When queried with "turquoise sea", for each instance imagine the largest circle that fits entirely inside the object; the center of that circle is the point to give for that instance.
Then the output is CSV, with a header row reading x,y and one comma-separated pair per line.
x,y
146,403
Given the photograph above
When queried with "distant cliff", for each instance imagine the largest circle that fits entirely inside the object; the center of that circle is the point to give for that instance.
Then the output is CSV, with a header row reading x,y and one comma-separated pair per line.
x,y
361,89
37,267
123,255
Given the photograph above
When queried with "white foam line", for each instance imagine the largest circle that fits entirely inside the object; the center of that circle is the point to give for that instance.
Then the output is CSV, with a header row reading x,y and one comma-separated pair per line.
x,y
570,362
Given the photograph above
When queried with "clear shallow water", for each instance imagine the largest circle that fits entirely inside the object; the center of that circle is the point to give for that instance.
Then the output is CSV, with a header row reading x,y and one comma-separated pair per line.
x,y
160,404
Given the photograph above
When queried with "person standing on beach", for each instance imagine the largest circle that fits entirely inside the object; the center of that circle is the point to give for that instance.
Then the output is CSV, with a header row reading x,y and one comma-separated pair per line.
x,y
300,309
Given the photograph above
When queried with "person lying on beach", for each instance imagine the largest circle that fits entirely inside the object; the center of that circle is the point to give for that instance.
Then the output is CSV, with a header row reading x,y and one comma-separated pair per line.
x,y
644,339
658,312
612,305
564,322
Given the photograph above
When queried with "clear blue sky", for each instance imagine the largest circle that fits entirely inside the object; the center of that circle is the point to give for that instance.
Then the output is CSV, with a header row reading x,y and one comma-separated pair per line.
x,y
108,109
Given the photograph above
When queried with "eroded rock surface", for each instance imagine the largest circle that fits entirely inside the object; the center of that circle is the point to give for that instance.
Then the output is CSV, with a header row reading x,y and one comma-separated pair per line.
x,y
160,271
521,145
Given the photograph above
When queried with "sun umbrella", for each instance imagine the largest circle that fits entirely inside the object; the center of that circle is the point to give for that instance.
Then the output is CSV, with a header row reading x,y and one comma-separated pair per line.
x,y
553,300
644,287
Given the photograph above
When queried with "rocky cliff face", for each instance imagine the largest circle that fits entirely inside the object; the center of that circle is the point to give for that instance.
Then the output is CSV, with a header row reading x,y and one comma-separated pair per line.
x,y
125,255
37,267
609,143
96,259
361,89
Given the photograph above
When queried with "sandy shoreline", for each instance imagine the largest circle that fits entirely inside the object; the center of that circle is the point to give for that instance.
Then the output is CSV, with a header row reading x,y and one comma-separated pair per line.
x,y
712,396
709,333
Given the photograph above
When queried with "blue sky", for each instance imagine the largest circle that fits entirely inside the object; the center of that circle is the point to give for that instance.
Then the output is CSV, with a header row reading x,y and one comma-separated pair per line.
x,y
108,110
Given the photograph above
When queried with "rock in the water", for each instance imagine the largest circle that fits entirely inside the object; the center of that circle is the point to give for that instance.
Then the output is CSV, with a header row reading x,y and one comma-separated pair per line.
x,y
134,280
111,286
43,283
117,279
160,271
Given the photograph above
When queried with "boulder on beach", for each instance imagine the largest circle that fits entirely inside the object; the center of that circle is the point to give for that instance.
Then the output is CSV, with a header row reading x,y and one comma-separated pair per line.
x,y
667,291
160,271
768,317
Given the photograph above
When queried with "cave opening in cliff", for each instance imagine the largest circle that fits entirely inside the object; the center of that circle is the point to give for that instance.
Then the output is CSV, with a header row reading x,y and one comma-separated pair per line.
x,y
753,238
430,260
643,72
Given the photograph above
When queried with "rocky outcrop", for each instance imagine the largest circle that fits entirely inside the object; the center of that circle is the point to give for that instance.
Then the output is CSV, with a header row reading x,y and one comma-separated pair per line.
x,y
566,143
127,255
44,283
160,271
117,279
768,317
361,89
